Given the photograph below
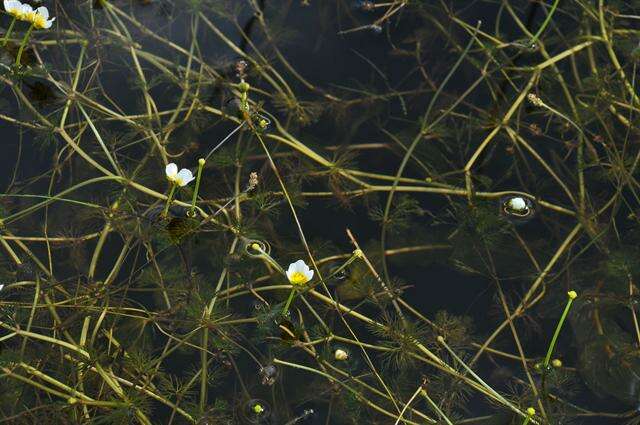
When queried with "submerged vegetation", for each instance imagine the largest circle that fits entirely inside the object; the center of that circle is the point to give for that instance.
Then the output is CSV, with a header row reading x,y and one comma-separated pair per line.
x,y
390,212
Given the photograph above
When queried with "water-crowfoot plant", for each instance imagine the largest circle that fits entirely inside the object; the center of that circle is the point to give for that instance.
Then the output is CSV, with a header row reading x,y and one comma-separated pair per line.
x,y
459,197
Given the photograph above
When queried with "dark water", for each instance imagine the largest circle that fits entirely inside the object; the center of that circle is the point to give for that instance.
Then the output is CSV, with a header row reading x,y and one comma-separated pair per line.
x,y
476,253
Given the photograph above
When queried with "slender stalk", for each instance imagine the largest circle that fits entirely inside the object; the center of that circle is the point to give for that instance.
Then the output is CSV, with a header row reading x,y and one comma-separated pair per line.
x,y
285,310
192,211
24,43
169,199
435,407
572,296
535,37
9,31
530,413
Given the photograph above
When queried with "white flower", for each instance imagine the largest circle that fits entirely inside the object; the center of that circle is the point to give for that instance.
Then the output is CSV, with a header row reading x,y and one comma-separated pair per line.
x,y
299,273
181,178
1,286
171,170
39,18
13,8
517,204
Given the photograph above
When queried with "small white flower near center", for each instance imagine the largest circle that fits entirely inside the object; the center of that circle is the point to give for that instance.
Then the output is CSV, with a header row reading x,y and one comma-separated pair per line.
x,y
517,204
299,273
181,178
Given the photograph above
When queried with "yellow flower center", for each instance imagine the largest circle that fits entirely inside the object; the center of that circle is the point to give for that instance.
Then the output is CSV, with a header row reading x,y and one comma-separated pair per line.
x,y
298,278
38,20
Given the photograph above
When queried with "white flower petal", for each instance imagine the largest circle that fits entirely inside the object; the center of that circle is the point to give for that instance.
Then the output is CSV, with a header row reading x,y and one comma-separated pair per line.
x,y
290,271
296,269
1,286
43,11
12,6
184,177
9,5
171,170
300,266
48,24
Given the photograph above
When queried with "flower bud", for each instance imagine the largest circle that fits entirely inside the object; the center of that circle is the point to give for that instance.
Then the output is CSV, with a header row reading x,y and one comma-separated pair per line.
x,y
341,355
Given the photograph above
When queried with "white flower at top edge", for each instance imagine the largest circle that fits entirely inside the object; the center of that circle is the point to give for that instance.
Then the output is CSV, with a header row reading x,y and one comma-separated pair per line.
x,y
181,178
299,273
13,8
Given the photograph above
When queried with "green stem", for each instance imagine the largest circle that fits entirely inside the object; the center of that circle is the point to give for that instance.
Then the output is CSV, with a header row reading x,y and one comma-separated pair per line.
x,y
285,310
169,199
435,407
192,211
343,266
572,296
263,254
534,39
9,31
24,43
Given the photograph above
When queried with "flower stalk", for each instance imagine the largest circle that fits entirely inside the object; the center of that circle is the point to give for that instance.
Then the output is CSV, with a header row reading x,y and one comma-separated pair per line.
x,y
192,211
24,43
530,414
169,200
265,255
9,31
572,296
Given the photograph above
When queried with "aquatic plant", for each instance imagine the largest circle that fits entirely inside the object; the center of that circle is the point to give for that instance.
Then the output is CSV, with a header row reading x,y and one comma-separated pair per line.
x,y
449,172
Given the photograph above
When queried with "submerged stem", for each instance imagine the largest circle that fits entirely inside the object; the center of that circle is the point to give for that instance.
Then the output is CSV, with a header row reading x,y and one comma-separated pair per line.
x,y
544,25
